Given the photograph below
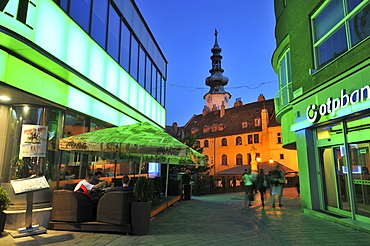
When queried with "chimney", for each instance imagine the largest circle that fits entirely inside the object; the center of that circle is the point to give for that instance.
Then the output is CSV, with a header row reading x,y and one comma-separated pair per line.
x,y
174,126
205,110
238,102
261,97
222,110
214,108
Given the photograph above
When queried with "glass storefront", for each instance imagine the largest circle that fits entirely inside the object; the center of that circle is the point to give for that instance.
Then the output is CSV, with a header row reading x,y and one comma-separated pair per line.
x,y
344,163
32,150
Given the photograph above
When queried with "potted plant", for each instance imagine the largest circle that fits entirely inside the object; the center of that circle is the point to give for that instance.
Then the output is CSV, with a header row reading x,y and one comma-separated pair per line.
x,y
4,204
186,178
141,208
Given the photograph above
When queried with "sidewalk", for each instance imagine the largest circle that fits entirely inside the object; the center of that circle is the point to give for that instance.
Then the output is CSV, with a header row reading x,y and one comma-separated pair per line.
x,y
219,219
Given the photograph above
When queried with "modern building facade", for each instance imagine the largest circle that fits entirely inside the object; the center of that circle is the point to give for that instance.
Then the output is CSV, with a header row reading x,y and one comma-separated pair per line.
x,y
322,59
238,135
69,67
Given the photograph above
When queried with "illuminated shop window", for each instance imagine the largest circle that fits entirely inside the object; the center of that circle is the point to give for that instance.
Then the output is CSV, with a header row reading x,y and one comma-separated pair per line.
x,y
337,27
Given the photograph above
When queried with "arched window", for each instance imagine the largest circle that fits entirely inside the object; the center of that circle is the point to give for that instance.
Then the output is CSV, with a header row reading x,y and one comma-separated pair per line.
x,y
239,141
206,144
239,159
224,159
197,144
224,142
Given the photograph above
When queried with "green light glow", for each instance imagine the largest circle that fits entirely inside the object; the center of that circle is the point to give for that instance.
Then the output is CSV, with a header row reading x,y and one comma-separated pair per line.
x,y
67,42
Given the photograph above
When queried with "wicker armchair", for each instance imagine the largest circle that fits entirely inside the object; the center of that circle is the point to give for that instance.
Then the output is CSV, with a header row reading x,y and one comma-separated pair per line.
x,y
114,207
71,206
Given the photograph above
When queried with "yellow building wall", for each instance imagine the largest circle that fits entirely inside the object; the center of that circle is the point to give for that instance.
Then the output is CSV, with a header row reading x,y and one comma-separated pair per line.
x,y
267,148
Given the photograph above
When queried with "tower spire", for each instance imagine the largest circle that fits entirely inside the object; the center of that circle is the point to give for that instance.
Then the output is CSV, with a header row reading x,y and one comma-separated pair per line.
x,y
217,80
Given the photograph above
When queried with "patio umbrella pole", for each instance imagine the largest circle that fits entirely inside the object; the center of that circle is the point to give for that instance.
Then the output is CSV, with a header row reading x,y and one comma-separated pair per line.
x,y
168,169
140,165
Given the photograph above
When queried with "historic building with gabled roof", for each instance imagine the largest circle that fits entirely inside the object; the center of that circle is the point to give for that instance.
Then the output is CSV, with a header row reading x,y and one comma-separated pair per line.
x,y
238,135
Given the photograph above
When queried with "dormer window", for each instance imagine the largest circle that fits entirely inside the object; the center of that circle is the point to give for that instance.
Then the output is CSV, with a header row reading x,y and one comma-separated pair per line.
x,y
221,127
206,128
194,130
257,122
214,128
244,124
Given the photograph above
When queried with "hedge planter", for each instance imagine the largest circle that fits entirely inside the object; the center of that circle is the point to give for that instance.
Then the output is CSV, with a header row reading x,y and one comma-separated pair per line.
x,y
140,217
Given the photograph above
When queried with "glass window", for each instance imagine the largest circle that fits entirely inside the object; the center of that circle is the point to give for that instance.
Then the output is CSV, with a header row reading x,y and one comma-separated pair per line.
x,y
206,143
99,22
113,33
239,141
134,58
239,159
250,139
359,26
154,81
125,47
80,12
224,159
279,138
197,144
224,142
163,92
64,5
334,46
142,59
338,28
329,131
328,18
284,95
256,138
148,75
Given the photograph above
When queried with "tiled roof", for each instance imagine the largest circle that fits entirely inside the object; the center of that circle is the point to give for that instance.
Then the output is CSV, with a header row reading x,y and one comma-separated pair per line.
x,y
232,121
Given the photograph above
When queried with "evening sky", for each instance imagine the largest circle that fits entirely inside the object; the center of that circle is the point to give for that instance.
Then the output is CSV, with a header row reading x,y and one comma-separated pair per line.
x,y
185,30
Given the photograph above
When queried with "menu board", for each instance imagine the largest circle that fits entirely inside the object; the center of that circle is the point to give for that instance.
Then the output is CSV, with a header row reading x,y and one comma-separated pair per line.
x,y
21,186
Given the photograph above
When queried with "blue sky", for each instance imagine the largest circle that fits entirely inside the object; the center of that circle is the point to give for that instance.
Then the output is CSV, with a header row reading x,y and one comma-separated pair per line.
x,y
184,31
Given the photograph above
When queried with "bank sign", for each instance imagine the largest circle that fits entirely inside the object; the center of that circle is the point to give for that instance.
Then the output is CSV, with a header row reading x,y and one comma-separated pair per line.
x,y
331,106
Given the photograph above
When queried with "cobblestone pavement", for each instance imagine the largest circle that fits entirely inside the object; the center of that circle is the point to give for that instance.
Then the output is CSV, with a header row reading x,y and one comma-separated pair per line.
x,y
219,219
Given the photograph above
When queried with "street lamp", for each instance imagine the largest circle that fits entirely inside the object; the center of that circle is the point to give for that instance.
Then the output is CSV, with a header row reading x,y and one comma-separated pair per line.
x,y
271,161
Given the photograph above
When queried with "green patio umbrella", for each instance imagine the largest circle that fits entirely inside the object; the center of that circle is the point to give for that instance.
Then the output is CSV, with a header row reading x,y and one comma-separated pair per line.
x,y
141,142
133,142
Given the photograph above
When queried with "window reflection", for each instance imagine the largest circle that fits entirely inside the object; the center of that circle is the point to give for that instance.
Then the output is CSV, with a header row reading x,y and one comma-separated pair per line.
x,y
113,33
80,12
99,22
329,131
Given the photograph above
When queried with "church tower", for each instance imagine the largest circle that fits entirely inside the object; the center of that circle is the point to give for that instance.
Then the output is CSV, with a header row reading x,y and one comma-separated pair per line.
x,y
217,96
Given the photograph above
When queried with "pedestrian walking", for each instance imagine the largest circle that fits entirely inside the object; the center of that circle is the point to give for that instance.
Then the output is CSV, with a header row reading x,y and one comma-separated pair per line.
x,y
261,185
249,179
277,184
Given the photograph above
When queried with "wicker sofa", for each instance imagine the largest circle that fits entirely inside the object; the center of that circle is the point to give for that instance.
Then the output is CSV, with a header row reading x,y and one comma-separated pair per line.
x,y
114,207
71,206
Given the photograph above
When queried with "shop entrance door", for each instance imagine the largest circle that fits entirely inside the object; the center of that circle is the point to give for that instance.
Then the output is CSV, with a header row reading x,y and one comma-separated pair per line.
x,y
335,180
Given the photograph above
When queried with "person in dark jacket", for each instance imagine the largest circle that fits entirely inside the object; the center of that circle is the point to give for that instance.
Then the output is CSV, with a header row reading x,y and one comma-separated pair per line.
x,y
262,185
125,185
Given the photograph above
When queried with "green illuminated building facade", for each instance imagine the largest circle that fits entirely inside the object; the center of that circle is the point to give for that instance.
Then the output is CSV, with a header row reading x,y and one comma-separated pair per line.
x,y
323,62
69,67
